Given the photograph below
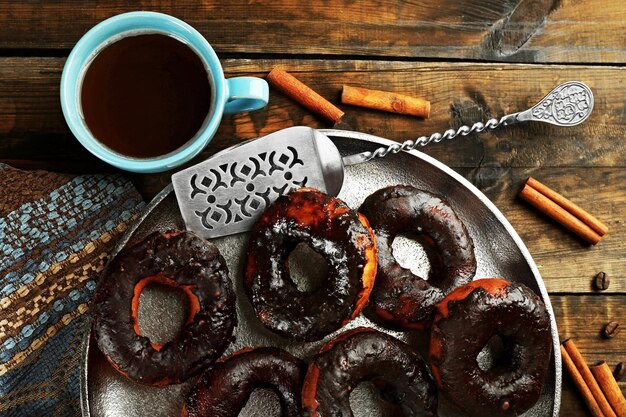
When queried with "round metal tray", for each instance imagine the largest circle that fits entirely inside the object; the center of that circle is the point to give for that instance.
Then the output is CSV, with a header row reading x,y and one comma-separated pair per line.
x,y
499,252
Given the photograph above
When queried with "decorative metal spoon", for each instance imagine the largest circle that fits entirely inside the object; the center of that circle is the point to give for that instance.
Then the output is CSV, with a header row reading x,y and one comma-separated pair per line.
x,y
226,193
568,104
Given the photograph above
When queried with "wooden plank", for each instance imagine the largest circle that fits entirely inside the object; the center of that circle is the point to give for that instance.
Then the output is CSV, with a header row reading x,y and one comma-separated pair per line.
x,y
520,31
33,134
582,318
32,126
566,264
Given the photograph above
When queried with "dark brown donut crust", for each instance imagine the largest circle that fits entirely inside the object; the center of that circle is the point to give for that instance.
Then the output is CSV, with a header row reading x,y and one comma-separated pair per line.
x,y
184,260
465,321
336,232
364,354
399,296
225,389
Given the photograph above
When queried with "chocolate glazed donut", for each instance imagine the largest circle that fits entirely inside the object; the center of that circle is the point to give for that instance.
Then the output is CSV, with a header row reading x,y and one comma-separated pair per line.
x,y
399,296
333,230
181,260
465,322
364,354
224,389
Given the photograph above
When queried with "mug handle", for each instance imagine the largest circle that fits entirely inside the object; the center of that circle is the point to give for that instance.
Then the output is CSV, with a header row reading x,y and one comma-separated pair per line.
x,y
246,94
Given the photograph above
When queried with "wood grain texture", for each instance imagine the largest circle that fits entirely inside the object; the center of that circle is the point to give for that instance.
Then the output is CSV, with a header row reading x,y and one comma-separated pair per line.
x,y
30,112
509,30
567,264
582,319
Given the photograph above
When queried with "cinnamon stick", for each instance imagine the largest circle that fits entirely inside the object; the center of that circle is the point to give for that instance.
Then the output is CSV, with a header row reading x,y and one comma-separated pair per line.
x,y
587,376
559,214
591,402
299,92
584,216
386,101
609,386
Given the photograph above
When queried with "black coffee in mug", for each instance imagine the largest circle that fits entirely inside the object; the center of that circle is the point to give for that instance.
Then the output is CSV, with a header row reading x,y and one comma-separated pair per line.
x,y
145,95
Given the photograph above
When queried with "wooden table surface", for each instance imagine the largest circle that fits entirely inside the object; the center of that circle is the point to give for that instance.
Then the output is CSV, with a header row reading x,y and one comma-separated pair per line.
x,y
473,59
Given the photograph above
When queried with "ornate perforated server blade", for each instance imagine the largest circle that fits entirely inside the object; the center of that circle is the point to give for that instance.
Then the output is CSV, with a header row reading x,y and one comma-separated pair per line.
x,y
225,194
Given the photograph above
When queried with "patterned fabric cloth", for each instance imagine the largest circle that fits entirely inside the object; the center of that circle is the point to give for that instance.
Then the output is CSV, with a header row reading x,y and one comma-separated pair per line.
x,y
56,232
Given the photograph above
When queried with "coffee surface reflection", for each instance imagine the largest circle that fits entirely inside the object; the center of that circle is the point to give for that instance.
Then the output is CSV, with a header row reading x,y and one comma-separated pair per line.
x,y
146,95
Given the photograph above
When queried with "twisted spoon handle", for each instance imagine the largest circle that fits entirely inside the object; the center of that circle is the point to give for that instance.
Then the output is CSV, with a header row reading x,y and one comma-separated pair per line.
x,y
568,104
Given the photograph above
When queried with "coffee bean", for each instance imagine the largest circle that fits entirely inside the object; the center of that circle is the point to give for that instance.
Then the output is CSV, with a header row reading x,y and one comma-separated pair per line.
x,y
601,281
611,329
620,371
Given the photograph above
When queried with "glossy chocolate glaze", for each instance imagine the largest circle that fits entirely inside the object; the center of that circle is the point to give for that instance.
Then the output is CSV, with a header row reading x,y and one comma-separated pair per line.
x,y
224,389
363,354
189,261
333,230
399,296
465,322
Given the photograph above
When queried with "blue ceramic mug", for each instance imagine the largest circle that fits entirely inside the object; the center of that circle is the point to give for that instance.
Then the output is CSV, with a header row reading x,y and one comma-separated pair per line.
x,y
228,96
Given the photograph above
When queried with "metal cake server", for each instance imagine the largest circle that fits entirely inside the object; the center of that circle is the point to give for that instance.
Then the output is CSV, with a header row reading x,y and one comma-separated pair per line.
x,y
226,193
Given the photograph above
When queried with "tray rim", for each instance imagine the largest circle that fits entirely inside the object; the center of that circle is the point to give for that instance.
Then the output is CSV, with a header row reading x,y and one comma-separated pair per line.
x,y
84,377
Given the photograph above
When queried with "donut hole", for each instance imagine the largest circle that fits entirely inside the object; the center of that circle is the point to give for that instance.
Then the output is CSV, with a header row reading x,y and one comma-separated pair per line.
x,y
415,252
366,400
162,312
497,355
263,402
307,268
